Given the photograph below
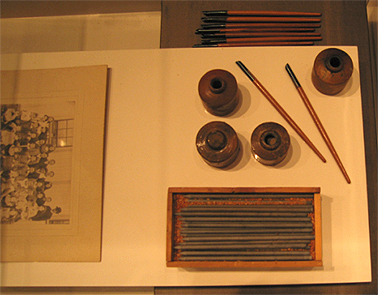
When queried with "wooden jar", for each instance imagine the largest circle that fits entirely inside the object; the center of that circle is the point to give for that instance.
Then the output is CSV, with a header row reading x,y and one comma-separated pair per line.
x,y
219,93
270,143
218,144
332,70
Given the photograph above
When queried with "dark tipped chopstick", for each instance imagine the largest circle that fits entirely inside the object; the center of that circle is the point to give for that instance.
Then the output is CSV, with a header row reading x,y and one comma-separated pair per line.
x,y
317,121
258,13
228,35
260,39
260,25
242,19
279,109
299,43
251,30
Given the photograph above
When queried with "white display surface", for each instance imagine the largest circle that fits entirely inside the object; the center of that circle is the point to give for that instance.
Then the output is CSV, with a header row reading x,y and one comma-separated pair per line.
x,y
154,114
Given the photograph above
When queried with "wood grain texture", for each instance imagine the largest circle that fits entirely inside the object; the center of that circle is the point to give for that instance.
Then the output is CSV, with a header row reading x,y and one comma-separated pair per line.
x,y
343,23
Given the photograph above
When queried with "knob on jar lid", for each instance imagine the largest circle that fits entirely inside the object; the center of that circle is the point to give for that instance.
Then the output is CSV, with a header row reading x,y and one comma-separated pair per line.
x,y
218,144
219,93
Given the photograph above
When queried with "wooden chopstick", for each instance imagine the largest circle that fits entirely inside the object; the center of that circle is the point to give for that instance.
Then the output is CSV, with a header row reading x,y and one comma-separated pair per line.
x,y
317,121
258,19
280,109
259,13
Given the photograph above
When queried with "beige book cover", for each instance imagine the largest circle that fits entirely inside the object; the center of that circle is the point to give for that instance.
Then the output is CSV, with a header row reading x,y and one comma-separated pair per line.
x,y
52,147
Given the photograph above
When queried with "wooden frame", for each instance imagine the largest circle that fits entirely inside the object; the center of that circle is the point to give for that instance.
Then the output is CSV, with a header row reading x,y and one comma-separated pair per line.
x,y
316,262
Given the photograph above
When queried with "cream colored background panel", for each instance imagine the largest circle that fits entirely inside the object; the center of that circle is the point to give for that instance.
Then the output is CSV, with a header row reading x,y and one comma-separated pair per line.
x,y
154,114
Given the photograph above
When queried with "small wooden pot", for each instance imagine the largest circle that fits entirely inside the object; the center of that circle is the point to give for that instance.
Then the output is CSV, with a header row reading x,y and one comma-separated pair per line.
x,y
332,70
270,143
218,144
219,93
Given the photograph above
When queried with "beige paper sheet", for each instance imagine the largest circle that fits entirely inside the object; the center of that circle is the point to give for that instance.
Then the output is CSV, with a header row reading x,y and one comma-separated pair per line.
x,y
77,93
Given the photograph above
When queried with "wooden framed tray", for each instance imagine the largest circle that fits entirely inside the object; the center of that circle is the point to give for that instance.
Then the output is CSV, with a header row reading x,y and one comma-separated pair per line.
x,y
244,227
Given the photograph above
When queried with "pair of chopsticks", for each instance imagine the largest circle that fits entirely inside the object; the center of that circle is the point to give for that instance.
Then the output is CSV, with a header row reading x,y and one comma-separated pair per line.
x,y
223,28
291,121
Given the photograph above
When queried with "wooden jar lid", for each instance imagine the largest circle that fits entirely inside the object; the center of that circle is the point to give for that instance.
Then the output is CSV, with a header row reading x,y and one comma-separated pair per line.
x,y
270,143
332,70
218,144
218,90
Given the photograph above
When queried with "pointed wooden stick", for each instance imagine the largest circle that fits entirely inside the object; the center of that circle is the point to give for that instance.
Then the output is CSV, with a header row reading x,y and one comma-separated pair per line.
x,y
316,119
280,109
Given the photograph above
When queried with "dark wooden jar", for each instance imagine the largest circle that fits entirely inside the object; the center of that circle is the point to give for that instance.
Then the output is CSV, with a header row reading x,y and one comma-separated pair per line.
x,y
219,93
218,144
270,143
332,70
